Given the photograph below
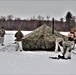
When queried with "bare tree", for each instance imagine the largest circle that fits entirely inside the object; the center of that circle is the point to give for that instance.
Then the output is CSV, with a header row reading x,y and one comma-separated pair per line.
x,y
61,19
42,18
39,17
9,21
2,21
33,18
2,18
17,18
48,17
74,18
10,17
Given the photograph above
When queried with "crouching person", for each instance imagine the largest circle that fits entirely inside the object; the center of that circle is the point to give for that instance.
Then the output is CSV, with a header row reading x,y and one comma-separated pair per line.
x,y
19,36
65,47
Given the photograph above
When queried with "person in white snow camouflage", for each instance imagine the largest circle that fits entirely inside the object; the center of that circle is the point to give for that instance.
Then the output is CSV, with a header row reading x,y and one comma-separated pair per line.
x,y
65,47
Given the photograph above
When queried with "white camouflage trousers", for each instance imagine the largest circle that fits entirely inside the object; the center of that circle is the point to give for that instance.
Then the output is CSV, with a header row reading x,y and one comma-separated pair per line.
x,y
1,40
19,45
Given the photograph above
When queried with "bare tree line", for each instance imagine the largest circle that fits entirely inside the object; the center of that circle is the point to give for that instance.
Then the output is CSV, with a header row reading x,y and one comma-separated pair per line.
x,y
13,23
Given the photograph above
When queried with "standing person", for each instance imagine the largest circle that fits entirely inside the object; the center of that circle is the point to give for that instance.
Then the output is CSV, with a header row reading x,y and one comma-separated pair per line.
x,y
2,33
19,36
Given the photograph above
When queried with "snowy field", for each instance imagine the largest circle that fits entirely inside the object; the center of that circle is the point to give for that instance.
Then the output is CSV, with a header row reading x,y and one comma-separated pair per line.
x,y
27,62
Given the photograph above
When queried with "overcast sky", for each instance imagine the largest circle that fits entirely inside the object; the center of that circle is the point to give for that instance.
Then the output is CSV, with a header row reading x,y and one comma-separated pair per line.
x,y
29,8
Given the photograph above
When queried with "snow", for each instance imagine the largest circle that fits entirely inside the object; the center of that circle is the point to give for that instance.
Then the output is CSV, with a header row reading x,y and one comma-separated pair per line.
x,y
36,62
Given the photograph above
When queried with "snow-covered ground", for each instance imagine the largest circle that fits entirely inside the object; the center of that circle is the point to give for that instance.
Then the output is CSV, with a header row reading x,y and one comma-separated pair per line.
x,y
36,62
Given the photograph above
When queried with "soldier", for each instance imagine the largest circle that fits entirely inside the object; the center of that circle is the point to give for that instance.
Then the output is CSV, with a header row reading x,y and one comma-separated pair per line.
x,y
2,33
71,36
65,47
19,36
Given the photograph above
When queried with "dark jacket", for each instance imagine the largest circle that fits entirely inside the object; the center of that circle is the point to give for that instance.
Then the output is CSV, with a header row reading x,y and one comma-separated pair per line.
x,y
70,38
2,33
18,36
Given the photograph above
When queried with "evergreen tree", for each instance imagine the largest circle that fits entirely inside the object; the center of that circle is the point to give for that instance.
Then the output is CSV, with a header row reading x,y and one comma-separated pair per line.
x,y
68,19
